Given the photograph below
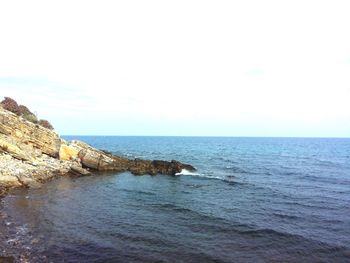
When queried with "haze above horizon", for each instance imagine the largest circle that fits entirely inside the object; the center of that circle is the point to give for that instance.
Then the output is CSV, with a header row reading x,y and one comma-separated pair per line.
x,y
184,68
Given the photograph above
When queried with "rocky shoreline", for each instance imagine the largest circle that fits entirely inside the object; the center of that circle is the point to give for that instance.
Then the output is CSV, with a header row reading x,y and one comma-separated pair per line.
x,y
3,191
31,155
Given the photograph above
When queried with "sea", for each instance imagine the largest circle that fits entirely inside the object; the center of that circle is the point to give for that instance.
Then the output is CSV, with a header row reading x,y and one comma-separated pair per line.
x,y
250,200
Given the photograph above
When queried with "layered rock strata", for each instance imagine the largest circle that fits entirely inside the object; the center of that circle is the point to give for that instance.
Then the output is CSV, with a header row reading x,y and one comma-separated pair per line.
x,y
31,154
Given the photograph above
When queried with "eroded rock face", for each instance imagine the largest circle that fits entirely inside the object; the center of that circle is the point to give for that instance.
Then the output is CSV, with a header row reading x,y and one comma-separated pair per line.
x,y
27,133
68,152
31,154
14,172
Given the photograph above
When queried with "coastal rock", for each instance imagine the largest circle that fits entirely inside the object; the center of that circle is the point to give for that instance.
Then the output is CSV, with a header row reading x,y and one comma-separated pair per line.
x,y
14,172
7,259
25,132
67,152
140,167
10,146
3,192
78,170
102,161
95,159
31,154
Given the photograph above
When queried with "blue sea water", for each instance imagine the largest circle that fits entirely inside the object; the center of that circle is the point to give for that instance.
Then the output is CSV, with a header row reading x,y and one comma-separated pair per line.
x,y
251,200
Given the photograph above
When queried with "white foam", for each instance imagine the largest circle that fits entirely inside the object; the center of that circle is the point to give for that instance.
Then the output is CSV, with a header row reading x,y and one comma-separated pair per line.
x,y
187,172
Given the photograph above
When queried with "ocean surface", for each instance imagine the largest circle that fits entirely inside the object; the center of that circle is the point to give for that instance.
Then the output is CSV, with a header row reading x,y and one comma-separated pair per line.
x,y
251,200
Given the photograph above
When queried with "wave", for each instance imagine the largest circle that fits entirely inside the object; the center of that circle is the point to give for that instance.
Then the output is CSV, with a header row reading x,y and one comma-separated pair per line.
x,y
187,172
227,179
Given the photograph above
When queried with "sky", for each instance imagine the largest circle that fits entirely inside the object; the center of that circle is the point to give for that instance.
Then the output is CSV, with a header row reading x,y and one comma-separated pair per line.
x,y
183,68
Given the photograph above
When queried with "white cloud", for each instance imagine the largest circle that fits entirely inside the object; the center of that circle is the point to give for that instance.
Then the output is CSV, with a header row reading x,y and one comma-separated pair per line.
x,y
190,66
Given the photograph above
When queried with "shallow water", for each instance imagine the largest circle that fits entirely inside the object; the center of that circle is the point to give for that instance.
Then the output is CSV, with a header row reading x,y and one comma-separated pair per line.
x,y
252,199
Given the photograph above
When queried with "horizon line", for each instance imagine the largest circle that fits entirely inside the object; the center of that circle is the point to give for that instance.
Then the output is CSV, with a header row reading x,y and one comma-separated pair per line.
x,y
209,136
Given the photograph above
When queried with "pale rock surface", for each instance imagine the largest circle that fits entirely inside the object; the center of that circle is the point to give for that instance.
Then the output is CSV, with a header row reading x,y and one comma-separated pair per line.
x,y
31,154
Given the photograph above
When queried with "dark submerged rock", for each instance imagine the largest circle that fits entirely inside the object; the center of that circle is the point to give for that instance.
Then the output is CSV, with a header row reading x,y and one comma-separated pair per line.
x,y
100,161
7,259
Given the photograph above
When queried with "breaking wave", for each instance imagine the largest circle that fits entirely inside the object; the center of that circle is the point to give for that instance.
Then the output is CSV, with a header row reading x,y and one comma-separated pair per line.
x,y
187,172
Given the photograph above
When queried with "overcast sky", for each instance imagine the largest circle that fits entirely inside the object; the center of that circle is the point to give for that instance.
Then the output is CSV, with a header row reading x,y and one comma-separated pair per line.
x,y
232,68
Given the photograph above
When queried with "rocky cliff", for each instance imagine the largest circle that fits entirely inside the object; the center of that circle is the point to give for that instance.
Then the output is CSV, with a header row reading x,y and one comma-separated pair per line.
x,y
31,154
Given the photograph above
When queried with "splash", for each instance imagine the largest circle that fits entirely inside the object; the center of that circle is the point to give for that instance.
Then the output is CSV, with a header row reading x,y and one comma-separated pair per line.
x,y
186,172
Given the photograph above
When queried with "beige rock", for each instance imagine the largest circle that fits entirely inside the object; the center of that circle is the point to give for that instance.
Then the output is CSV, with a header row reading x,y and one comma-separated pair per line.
x,y
9,180
68,152
76,169
95,159
31,154
25,132
81,145
8,145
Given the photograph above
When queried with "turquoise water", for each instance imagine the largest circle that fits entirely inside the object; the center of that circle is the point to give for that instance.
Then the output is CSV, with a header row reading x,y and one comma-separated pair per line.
x,y
252,199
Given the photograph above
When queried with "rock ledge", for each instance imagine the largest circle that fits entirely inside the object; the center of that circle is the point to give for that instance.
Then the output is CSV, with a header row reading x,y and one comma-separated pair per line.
x,y
31,154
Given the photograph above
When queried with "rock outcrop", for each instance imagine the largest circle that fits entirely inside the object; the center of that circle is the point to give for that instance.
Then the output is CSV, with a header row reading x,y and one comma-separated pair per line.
x,y
31,154
33,137
102,161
